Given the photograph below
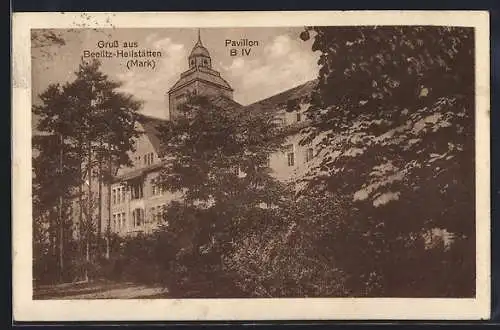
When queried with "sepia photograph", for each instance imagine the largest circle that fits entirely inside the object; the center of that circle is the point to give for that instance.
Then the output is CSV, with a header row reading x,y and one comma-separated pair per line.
x,y
216,162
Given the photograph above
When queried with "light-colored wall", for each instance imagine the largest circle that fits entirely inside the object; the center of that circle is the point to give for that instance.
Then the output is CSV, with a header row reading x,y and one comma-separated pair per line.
x,y
143,146
279,161
145,203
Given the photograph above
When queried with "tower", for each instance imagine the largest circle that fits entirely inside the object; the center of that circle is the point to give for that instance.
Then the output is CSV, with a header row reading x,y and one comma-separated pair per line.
x,y
199,57
199,79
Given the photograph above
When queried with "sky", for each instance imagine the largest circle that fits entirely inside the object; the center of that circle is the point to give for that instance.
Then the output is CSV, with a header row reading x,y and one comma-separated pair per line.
x,y
279,62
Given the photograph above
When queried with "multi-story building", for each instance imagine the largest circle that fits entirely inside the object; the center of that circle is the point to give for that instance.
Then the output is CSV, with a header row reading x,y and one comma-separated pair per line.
x,y
136,202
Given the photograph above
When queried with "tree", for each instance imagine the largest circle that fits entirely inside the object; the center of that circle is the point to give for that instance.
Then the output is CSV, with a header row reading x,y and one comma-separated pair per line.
x,y
55,166
216,158
90,125
393,118
106,126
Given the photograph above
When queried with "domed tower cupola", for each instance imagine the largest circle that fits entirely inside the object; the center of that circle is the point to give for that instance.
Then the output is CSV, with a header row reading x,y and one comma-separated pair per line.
x,y
199,55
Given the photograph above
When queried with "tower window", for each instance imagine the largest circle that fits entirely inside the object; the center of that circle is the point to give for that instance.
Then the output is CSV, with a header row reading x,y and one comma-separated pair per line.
x,y
299,116
205,62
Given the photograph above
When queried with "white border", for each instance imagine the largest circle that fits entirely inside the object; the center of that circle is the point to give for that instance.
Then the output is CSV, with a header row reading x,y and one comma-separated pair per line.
x,y
26,309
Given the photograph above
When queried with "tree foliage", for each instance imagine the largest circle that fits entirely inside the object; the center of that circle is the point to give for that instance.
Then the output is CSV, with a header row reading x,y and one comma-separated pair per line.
x,y
82,126
217,159
393,116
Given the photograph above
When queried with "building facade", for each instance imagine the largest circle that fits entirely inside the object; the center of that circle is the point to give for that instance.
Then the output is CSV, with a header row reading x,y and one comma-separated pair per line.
x,y
136,202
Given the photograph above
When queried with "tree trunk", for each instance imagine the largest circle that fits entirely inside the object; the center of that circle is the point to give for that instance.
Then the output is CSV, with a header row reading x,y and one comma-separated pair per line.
x,y
60,216
53,232
110,181
81,233
87,259
99,203
53,228
90,221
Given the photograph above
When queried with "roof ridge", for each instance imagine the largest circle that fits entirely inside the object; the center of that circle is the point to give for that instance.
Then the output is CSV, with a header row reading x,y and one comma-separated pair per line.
x,y
146,116
282,92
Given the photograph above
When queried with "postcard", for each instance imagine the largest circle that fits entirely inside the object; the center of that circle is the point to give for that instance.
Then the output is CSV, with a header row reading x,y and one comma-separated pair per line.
x,y
251,166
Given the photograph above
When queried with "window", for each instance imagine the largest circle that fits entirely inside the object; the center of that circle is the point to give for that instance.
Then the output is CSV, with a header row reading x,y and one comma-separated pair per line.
x,y
157,188
161,218
152,214
114,222
290,155
268,161
148,158
123,219
299,116
136,190
309,154
205,62
118,195
280,121
235,170
156,214
138,217
159,214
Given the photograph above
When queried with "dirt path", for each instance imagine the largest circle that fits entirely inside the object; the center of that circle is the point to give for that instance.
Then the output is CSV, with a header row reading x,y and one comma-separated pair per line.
x,y
98,290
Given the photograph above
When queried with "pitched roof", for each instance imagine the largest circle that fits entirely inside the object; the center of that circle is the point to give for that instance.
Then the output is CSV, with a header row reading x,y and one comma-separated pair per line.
x,y
201,74
150,125
224,102
138,172
280,100
272,103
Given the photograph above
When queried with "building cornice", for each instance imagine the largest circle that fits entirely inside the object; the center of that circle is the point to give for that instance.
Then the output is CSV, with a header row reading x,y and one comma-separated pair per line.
x,y
200,79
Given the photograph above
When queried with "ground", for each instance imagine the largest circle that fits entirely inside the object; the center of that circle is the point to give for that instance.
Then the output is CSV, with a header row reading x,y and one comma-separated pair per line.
x,y
98,290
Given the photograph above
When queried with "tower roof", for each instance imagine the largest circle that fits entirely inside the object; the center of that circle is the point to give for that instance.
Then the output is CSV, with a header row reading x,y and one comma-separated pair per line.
x,y
203,74
199,49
